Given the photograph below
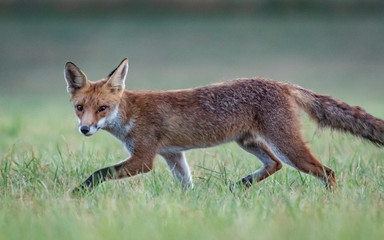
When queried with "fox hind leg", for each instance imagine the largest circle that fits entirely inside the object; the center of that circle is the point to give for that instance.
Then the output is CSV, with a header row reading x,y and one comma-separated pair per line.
x,y
296,153
301,158
259,147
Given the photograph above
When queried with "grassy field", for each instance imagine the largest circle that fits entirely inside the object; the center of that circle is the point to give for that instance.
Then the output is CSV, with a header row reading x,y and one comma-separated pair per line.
x,y
42,156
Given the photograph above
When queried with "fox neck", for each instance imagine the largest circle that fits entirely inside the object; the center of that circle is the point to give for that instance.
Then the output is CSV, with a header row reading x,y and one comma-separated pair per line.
x,y
114,124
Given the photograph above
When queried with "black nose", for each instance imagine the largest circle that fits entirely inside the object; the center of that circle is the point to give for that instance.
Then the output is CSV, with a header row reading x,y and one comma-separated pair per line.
x,y
84,129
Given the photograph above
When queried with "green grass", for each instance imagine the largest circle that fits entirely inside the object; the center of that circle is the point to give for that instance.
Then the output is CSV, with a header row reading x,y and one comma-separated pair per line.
x,y
42,156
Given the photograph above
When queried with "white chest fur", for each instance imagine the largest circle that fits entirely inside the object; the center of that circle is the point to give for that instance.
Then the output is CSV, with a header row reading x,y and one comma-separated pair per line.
x,y
114,125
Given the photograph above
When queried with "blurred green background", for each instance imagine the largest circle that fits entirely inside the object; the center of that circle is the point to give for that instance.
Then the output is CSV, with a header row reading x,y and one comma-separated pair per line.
x,y
334,47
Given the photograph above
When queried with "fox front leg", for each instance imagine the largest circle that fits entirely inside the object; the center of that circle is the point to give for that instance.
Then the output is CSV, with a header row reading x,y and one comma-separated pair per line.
x,y
128,168
96,178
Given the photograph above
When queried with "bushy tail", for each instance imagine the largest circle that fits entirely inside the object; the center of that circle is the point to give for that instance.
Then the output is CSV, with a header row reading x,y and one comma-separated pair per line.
x,y
329,112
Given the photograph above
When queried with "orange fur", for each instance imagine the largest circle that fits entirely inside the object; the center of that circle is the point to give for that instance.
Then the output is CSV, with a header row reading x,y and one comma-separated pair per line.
x,y
262,116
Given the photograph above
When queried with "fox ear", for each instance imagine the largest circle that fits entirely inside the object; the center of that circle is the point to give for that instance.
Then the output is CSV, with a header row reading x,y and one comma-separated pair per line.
x,y
116,79
74,77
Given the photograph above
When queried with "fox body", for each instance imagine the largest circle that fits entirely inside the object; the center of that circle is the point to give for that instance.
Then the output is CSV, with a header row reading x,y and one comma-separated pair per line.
x,y
261,116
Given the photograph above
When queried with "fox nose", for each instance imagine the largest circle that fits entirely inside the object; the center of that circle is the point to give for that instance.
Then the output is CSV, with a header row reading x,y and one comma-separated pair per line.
x,y
84,129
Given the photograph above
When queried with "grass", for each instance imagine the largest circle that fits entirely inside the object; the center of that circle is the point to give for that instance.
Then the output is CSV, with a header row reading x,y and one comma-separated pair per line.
x,y
42,156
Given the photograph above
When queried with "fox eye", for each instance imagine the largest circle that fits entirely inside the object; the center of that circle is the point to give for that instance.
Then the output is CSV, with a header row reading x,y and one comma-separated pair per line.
x,y
102,108
79,108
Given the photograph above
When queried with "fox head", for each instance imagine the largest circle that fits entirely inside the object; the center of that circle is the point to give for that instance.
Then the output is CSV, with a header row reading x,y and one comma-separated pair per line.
x,y
96,103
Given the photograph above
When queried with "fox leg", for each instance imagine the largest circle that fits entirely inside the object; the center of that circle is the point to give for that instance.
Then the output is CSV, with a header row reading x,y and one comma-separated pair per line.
x,y
128,168
271,163
296,153
179,167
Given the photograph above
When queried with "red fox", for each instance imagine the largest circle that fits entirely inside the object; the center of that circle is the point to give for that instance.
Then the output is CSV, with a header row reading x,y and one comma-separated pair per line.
x,y
261,116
